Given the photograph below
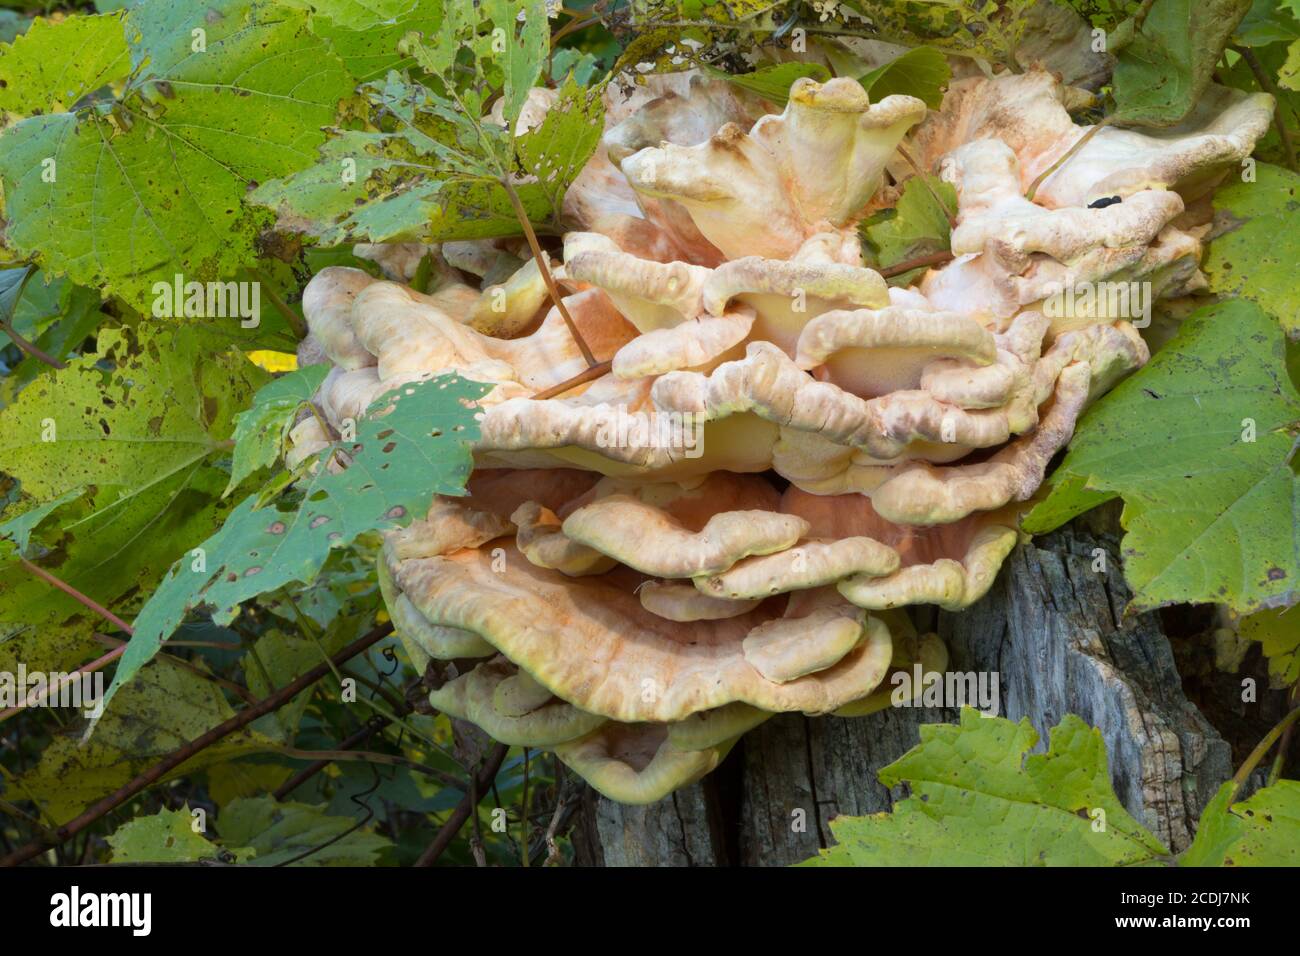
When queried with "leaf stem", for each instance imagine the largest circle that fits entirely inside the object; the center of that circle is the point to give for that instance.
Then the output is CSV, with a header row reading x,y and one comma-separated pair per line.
x,y
1261,750
596,371
68,589
1065,157
1268,86
23,345
933,259
522,215
93,666
296,324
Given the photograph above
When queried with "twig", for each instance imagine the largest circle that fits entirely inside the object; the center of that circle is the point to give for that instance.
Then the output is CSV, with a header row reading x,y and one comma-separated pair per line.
x,y
596,371
176,758
369,756
522,215
94,665
1065,157
934,259
1268,86
373,726
482,781
68,589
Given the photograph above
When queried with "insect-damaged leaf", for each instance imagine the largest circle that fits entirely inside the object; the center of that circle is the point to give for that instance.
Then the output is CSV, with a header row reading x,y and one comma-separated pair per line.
x,y
412,444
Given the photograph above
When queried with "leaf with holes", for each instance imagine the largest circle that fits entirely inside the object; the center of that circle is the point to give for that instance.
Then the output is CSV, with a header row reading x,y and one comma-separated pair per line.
x,y
125,193
412,444
159,713
1263,830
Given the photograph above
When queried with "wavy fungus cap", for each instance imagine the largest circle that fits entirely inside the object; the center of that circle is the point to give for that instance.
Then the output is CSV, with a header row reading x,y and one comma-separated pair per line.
x,y
784,453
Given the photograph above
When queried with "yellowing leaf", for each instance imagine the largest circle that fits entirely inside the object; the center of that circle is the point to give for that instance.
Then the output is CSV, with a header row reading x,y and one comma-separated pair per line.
x,y
979,798
1197,444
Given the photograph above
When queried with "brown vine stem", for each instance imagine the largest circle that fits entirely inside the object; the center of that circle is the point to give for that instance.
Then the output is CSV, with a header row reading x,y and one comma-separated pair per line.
x,y
1268,86
522,215
934,259
481,783
1065,157
94,665
596,371
372,727
155,773
68,589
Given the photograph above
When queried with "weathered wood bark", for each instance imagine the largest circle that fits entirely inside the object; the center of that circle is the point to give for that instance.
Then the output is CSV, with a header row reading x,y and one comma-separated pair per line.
x,y
1052,630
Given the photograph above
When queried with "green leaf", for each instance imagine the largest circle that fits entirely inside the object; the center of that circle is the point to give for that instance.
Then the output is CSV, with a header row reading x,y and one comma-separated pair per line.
x,y
19,530
1261,831
168,405
55,63
1211,515
1278,632
370,51
922,72
1288,77
1162,69
773,82
556,150
917,226
988,30
133,192
165,837
411,445
1266,22
526,41
281,832
261,430
408,185
978,798
1256,259
164,709
122,464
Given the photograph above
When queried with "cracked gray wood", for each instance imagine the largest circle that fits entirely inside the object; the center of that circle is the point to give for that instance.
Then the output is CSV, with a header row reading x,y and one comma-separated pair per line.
x,y
1053,631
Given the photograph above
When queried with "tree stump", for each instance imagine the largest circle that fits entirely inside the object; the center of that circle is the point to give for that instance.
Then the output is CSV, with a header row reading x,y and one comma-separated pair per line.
x,y
1054,631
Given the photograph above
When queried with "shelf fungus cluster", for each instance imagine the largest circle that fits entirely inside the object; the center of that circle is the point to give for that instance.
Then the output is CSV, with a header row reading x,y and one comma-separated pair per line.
x,y
784,452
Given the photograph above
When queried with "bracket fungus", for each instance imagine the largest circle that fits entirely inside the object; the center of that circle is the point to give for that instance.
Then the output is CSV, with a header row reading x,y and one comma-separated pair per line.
x,y
783,453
